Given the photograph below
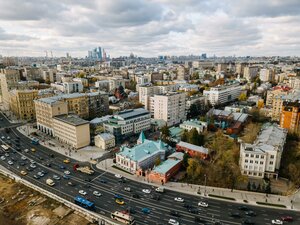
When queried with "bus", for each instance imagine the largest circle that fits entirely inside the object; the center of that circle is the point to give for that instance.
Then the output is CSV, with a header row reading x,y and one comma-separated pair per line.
x,y
5,147
35,141
84,203
122,217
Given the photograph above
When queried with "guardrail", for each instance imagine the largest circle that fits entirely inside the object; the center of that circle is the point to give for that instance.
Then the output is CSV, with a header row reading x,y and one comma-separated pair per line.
x,y
91,216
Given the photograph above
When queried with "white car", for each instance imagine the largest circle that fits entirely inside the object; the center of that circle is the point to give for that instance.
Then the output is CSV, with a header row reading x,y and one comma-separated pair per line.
x,y
32,165
173,222
3,158
177,199
82,192
118,176
26,150
277,222
127,189
203,204
10,162
2,137
23,158
41,174
56,177
147,191
96,193
67,172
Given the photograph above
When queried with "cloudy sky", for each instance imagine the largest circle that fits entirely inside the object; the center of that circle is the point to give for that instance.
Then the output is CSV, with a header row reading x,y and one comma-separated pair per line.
x,y
150,27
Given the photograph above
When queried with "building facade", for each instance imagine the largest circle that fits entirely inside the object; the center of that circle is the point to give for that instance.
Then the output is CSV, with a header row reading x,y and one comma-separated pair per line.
x,y
262,158
98,104
9,79
192,150
290,116
105,141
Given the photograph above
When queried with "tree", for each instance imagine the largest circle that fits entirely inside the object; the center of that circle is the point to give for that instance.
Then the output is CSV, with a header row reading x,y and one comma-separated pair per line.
x,y
186,157
268,188
157,161
253,186
242,97
249,186
195,76
165,133
184,136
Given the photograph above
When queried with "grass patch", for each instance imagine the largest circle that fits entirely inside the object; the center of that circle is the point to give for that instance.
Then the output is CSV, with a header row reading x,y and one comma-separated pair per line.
x,y
125,171
270,204
223,197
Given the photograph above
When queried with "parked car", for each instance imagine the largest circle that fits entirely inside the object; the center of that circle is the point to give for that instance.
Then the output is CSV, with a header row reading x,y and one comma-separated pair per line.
x,y
203,204
146,210
96,193
178,199
277,222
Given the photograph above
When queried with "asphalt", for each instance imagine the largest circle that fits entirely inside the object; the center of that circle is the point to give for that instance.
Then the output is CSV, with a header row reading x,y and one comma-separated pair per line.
x,y
159,209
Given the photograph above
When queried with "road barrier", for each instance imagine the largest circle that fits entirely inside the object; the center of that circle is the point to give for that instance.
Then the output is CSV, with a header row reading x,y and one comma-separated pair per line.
x,y
91,216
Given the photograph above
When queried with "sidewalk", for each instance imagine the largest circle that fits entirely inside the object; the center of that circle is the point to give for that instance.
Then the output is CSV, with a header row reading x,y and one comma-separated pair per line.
x,y
240,196
86,154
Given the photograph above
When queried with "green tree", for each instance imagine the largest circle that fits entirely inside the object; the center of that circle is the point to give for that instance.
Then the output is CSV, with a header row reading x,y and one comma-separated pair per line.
x,y
242,97
184,136
165,133
249,186
157,161
195,76
186,157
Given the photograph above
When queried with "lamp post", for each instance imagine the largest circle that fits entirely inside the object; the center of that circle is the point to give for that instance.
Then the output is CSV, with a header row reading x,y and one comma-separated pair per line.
x,y
204,184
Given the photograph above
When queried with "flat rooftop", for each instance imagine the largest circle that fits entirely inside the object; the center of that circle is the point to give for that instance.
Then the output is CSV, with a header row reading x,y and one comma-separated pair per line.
x,y
72,120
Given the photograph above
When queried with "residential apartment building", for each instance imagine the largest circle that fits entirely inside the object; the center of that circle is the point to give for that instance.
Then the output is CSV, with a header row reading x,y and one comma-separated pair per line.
x,y
250,72
98,104
223,94
72,130
9,79
78,104
290,116
266,75
105,141
72,87
169,107
127,123
142,157
277,90
116,82
262,158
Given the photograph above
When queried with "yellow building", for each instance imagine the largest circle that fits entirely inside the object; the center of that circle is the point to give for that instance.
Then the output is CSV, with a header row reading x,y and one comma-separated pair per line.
x,y
46,109
290,116
105,141
72,130
78,104
22,103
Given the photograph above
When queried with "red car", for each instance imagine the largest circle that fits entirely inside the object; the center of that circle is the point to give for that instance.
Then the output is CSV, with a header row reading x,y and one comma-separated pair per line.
x,y
287,218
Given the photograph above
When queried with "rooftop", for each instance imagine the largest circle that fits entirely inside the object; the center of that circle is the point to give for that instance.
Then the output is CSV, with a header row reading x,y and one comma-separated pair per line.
x,y
165,166
106,136
100,119
72,120
131,113
193,147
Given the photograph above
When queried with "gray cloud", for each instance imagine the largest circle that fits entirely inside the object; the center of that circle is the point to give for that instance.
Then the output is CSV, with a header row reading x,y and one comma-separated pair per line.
x,y
4,36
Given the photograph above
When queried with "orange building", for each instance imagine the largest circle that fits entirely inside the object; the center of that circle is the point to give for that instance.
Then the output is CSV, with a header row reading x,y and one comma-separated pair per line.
x,y
290,116
192,150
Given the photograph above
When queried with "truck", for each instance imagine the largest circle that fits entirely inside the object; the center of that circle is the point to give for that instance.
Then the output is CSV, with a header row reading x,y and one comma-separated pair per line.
x,y
50,182
84,169
160,189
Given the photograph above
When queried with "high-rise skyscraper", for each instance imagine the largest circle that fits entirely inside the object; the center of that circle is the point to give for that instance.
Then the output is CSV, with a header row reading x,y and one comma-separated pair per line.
x,y
99,53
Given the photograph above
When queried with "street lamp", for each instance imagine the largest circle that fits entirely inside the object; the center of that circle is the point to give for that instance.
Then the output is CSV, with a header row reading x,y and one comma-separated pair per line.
x,y
204,184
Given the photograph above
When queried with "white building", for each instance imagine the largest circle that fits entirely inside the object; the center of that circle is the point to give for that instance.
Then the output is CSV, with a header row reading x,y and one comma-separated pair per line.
x,y
169,107
72,87
116,82
262,158
250,72
223,94
191,124
105,141
266,75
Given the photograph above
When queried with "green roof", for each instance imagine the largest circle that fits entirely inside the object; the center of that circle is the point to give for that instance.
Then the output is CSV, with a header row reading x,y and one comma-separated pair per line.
x,y
176,131
165,166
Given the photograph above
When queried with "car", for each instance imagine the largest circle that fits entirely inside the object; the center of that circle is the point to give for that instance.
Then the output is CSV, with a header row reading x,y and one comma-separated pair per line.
x,y
173,222
71,184
23,172
277,222
23,158
66,177
122,180
178,199
135,195
36,176
51,155
2,158
10,162
97,193
8,138
235,214
87,179
32,161
41,158
186,205
12,159
62,167
26,150
147,191
247,222
41,174
44,171
28,168
82,192
244,208
250,213
193,210
174,213
146,210
2,137
6,155
287,218
48,164
67,161
155,197
130,210
127,189
120,201
199,219
67,172
56,177
117,196
203,204
22,163
103,181
32,165
33,150
118,176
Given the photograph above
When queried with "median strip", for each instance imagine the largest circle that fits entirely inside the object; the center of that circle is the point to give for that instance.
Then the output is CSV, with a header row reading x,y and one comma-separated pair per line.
x,y
270,204
222,197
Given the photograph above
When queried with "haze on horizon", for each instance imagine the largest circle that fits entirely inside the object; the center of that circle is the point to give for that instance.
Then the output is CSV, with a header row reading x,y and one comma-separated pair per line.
x,y
150,27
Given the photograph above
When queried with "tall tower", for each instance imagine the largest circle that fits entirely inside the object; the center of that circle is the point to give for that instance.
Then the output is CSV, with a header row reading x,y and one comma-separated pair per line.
x,y
99,53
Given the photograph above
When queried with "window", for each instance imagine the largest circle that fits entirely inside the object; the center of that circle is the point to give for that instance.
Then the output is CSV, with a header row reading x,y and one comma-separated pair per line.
x,y
271,162
256,162
247,155
272,156
251,161
257,156
252,156
262,157
261,162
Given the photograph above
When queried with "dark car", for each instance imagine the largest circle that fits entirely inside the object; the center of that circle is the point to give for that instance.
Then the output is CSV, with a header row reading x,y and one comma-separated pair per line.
x,y
88,179
248,222
193,210
174,213
18,149
41,158
250,213
244,208
135,195
186,205
62,167
51,155
22,163
48,164
235,214
103,181
28,168
200,220
287,218
131,210
155,197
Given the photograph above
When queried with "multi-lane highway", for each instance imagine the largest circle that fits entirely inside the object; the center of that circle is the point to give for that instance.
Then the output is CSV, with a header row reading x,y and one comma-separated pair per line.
x,y
51,163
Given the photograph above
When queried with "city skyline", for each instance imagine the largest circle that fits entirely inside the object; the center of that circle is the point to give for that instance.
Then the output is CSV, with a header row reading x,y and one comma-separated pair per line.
x,y
150,28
